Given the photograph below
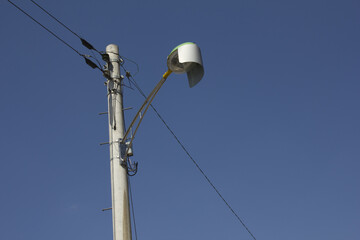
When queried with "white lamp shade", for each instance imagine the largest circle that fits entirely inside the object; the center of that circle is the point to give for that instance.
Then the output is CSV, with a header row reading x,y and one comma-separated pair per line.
x,y
187,58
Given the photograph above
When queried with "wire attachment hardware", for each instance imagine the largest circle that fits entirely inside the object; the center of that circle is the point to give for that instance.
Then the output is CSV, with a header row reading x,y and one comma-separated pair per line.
x,y
105,57
90,63
106,74
87,44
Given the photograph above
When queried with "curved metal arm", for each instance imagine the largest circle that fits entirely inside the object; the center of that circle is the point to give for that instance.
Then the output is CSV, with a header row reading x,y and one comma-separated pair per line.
x,y
146,104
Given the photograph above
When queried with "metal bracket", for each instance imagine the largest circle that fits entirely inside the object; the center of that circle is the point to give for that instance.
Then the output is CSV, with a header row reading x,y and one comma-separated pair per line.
x,y
106,74
123,148
106,209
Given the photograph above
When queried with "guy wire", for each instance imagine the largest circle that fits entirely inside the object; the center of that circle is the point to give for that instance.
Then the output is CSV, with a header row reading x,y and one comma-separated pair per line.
x,y
191,158
132,208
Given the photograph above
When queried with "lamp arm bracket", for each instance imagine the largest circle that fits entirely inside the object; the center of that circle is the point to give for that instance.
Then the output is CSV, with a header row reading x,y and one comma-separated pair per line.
x,y
145,106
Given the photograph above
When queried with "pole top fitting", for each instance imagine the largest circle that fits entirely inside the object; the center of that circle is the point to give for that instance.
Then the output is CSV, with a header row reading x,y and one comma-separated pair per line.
x,y
113,52
112,48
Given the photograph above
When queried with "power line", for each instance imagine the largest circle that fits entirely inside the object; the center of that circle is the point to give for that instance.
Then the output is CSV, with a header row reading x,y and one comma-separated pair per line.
x,y
83,41
128,75
55,18
87,60
46,28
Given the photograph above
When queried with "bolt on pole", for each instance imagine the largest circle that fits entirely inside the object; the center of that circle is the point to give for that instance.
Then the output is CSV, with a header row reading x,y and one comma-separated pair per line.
x,y
118,167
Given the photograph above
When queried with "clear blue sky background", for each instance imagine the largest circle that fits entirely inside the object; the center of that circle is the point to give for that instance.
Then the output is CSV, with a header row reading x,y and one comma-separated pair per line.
x,y
274,123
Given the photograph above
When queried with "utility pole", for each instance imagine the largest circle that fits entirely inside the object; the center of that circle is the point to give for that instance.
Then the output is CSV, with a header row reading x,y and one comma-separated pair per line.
x,y
185,58
118,166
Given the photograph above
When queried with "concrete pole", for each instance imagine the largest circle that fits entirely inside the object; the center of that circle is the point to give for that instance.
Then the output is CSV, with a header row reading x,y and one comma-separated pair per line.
x,y
119,184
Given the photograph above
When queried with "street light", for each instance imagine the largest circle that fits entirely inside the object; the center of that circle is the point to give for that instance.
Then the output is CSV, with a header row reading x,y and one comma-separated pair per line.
x,y
185,58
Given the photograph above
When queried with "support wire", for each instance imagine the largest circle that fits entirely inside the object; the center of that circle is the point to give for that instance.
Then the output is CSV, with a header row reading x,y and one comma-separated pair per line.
x,y
132,208
191,158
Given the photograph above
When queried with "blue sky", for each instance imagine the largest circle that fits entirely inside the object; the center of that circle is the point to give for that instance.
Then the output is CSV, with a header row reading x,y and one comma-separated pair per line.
x,y
274,123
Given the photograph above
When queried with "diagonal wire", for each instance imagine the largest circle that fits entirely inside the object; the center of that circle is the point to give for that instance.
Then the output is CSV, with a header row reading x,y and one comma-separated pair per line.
x,y
55,18
83,41
94,57
132,208
46,28
191,158
135,63
86,57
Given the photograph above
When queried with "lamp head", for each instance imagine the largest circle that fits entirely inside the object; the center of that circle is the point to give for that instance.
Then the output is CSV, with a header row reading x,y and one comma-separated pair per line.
x,y
187,58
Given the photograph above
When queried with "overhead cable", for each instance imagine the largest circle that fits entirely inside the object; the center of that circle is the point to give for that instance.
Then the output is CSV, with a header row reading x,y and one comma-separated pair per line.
x,y
86,57
83,41
46,28
128,75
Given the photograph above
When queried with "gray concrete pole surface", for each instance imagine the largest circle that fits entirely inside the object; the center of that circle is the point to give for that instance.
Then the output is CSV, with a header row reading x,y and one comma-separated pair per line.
x,y
119,181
